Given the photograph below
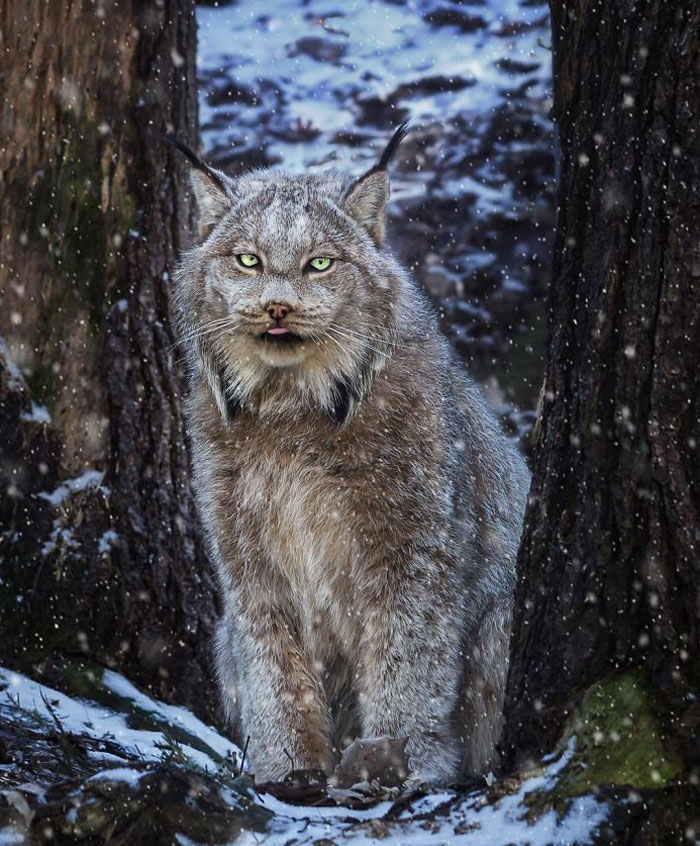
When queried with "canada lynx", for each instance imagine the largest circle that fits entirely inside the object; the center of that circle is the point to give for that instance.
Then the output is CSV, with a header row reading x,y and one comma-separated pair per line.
x,y
362,506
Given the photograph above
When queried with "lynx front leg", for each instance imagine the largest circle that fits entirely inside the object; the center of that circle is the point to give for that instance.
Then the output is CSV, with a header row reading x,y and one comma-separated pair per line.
x,y
279,700
410,661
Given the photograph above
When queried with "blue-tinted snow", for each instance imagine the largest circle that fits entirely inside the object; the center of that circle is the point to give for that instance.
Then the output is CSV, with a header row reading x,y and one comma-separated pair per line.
x,y
18,693
318,64
467,821
38,414
88,479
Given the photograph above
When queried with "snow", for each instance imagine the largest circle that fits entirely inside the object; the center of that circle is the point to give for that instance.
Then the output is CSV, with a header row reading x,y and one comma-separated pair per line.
x,y
15,377
493,825
10,835
173,715
467,822
60,534
461,819
100,722
125,774
107,541
88,479
320,61
38,414
290,813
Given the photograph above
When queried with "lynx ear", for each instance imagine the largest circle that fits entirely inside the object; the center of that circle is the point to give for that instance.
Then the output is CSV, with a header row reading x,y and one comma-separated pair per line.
x,y
366,199
213,190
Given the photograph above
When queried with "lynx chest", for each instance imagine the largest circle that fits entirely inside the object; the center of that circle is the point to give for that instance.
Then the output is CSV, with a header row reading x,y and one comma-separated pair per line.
x,y
304,521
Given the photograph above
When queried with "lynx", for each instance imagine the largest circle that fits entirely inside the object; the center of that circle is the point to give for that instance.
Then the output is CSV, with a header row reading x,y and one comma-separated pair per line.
x,y
361,503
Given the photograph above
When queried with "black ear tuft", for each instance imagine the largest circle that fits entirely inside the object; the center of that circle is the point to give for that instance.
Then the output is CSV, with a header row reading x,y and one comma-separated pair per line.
x,y
184,149
194,159
366,198
213,190
382,165
398,136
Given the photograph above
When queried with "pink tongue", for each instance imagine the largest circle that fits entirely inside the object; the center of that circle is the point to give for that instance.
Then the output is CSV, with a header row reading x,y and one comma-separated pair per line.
x,y
278,330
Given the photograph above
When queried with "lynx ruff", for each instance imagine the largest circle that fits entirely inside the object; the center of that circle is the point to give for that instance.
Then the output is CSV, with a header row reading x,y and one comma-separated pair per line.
x,y
361,504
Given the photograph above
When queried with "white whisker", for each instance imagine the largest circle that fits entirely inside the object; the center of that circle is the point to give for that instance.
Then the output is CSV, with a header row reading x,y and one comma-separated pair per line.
x,y
222,324
363,341
343,349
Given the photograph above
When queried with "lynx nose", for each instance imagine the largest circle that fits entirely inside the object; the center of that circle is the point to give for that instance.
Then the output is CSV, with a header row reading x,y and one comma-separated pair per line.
x,y
278,310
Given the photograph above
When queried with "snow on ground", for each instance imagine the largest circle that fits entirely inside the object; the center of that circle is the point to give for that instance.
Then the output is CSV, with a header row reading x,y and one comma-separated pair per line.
x,y
173,716
469,821
19,693
442,817
316,66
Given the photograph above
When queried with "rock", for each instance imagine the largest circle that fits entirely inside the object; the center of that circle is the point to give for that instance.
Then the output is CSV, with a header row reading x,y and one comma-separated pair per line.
x,y
449,16
514,66
321,49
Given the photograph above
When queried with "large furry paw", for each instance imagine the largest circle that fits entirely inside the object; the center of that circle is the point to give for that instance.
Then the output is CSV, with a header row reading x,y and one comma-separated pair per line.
x,y
380,760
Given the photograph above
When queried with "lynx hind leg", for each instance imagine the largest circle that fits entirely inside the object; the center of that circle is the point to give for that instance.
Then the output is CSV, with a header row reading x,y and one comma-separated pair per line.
x,y
224,655
479,717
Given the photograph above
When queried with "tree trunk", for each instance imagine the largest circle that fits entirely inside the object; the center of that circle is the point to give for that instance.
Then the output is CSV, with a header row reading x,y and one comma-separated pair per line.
x,y
610,560
92,216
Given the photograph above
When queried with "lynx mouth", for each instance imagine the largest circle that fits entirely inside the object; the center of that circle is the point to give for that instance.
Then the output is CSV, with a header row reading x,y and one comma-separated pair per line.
x,y
280,336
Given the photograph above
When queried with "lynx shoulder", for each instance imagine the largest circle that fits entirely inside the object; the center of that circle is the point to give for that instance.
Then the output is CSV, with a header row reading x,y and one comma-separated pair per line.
x,y
361,504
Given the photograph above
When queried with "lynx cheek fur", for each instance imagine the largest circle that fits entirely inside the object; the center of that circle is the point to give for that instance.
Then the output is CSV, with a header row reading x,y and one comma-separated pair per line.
x,y
362,506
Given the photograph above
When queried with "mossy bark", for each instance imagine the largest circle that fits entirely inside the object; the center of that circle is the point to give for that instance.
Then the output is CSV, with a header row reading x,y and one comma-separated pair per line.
x,y
609,565
93,213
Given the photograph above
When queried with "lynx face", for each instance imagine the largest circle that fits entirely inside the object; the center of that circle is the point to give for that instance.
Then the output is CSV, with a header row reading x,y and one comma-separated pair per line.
x,y
262,278
288,292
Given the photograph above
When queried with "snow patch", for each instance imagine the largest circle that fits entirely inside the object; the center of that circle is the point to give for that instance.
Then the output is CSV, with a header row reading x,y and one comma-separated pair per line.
x,y
38,414
101,722
125,774
89,479
174,715
107,541
15,377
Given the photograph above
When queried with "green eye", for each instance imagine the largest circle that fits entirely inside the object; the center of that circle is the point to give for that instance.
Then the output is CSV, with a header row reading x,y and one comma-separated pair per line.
x,y
248,259
321,263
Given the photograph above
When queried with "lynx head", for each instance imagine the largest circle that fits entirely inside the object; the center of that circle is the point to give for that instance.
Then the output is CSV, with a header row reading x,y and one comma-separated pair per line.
x,y
289,298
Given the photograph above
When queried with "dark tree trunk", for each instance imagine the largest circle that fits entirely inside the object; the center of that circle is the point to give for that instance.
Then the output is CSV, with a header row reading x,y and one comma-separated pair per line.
x,y
92,215
610,559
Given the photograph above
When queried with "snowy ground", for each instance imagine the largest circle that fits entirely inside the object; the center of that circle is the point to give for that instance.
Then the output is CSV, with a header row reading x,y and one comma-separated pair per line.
x,y
316,83
293,81
133,734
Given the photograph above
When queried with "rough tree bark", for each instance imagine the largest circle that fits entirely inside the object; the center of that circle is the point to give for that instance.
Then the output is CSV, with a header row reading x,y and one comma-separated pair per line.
x,y
92,215
610,559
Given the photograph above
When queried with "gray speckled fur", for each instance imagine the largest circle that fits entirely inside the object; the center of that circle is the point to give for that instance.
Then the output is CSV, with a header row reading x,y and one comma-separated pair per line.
x,y
362,505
